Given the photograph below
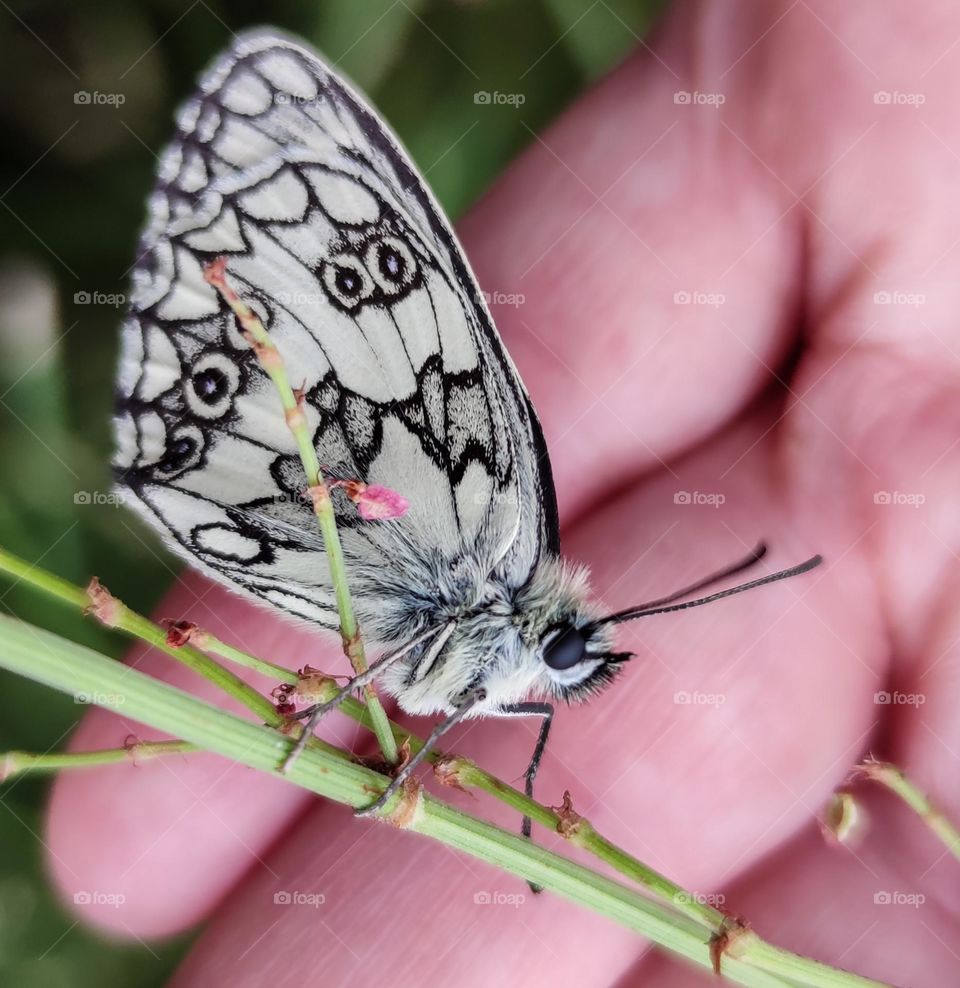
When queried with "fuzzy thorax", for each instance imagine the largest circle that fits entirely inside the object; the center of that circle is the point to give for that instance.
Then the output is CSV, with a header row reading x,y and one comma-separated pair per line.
x,y
497,640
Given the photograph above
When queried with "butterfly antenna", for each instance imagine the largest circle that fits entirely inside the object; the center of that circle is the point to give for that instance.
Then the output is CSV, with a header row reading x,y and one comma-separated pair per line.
x,y
665,604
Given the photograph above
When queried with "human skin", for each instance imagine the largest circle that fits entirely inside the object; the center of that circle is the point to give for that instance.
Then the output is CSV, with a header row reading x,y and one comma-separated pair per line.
x,y
800,397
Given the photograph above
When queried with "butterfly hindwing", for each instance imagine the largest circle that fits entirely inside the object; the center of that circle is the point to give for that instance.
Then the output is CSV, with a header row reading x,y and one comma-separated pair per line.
x,y
333,239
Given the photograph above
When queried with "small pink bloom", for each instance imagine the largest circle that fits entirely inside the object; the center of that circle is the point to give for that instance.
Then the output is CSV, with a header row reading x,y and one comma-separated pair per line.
x,y
376,502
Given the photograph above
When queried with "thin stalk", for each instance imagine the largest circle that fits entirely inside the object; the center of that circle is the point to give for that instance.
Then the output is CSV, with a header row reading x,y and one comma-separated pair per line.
x,y
272,362
460,772
71,668
21,762
799,970
897,782
209,643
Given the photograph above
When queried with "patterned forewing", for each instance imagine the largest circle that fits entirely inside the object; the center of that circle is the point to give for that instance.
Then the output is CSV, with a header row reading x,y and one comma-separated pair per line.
x,y
334,241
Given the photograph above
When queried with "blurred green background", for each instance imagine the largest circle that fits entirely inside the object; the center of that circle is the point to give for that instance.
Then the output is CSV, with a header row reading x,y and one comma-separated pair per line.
x,y
73,181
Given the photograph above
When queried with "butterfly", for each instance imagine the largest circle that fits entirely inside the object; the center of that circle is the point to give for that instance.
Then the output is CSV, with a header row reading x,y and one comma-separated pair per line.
x,y
332,238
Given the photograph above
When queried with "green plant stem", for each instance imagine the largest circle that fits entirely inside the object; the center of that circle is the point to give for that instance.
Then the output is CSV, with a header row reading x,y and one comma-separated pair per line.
x,y
272,362
72,668
463,773
798,970
17,762
896,781
212,644
456,770
128,621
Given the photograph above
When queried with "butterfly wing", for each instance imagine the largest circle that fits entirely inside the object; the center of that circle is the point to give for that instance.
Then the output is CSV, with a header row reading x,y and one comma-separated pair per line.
x,y
333,239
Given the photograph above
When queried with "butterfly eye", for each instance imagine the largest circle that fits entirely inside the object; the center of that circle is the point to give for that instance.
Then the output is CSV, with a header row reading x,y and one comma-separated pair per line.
x,y
347,281
211,386
390,262
565,650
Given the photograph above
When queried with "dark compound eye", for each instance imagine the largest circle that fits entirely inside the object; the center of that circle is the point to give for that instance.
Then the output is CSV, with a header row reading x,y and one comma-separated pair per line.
x,y
565,650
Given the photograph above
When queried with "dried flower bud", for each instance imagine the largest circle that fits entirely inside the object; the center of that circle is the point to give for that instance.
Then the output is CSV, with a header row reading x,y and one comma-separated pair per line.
x,y
844,820
180,633
103,605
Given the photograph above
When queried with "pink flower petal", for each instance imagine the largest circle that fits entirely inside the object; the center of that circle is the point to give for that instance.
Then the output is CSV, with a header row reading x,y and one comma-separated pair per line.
x,y
377,503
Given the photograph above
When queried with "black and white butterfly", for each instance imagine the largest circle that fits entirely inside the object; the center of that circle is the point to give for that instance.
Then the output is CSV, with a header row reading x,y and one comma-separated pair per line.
x,y
332,238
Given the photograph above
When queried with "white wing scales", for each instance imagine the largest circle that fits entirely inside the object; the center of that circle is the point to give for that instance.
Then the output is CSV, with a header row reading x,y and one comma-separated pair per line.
x,y
332,238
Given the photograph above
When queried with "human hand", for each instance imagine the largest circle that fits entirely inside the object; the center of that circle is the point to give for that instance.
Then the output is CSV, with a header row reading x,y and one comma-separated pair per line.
x,y
796,399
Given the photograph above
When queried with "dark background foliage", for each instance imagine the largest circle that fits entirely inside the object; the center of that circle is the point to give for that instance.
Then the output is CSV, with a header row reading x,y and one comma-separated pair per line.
x,y
74,178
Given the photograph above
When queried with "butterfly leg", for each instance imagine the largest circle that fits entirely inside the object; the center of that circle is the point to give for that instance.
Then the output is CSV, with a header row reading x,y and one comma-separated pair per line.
x,y
467,702
532,709
314,714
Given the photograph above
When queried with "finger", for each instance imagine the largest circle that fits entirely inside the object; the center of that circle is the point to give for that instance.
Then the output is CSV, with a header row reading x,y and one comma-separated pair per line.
x,y
924,740
377,900
875,422
648,271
